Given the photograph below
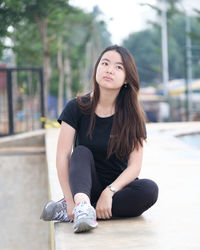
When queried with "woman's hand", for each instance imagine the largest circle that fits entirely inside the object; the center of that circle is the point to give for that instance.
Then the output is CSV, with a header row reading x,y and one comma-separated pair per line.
x,y
70,209
104,204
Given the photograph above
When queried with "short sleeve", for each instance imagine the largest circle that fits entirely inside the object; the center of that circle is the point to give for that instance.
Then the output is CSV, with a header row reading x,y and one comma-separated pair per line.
x,y
70,114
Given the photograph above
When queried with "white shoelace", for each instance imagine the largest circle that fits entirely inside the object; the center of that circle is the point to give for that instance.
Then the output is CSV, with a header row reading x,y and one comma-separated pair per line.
x,y
83,209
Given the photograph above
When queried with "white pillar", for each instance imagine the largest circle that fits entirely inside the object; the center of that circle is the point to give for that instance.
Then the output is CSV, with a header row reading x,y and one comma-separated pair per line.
x,y
165,70
189,63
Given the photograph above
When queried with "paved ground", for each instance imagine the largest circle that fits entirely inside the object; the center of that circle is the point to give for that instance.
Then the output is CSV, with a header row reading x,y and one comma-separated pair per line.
x,y
173,223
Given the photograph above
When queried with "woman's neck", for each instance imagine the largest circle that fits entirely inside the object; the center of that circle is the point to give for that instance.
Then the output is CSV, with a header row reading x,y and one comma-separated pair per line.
x,y
106,103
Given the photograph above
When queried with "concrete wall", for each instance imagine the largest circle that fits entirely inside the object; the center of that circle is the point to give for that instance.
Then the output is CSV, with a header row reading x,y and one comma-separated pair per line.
x,y
23,193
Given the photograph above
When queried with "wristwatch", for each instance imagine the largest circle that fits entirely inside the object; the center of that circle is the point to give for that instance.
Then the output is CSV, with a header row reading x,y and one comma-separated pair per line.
x,y
113,189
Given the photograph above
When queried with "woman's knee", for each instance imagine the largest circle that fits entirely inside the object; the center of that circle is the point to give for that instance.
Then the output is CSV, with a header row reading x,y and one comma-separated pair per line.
x,y
147,188
81,158
81,151
151,189
136,198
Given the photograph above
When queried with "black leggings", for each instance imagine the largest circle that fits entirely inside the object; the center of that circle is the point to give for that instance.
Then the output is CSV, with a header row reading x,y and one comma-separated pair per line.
x,y
130,201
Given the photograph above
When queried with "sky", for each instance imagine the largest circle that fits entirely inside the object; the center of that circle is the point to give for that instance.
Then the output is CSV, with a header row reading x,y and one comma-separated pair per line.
x,y
122,17
126,16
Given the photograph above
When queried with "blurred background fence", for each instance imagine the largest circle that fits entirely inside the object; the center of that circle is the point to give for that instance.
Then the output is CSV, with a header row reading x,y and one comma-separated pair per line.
x,y
22,100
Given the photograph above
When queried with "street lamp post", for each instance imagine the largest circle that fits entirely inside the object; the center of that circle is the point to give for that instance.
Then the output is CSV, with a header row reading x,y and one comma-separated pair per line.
x,y
188,65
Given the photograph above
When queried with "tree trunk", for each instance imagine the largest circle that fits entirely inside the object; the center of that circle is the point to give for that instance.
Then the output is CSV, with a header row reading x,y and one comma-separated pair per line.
x,y
93,50
86,74
68,76
42,26
61,75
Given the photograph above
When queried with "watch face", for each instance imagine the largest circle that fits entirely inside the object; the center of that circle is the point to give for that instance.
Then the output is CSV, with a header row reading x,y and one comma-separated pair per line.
x,y
112,189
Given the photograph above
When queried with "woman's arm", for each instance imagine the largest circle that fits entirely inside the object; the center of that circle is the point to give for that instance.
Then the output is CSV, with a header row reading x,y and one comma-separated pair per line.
x,y
64,149
132,171
104,204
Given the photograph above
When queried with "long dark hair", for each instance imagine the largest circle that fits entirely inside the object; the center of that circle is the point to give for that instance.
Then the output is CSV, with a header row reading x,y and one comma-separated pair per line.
x,y
128,129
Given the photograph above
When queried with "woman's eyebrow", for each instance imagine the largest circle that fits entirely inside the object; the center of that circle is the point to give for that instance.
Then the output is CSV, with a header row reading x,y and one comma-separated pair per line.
x,y
106,59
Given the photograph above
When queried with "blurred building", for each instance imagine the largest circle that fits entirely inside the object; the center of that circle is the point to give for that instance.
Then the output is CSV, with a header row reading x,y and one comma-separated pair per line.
x,y
180,96
156,109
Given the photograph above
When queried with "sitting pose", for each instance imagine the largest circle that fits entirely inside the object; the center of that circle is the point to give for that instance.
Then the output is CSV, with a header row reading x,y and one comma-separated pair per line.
x,y
99,179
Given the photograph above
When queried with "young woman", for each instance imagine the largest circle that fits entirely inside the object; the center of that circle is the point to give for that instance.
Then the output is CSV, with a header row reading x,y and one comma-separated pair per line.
x,y
100,178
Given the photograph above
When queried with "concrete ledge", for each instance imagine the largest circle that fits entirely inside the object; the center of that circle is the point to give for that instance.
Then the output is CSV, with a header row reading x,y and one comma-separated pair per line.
x,y
35,139
24,190
22,151
176,128
172,223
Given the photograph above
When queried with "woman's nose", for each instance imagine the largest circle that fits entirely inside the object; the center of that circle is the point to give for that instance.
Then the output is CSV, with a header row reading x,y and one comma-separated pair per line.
x,y
110,69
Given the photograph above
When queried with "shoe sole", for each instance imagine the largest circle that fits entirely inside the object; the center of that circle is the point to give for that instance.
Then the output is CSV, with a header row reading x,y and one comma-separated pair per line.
x,y
83,226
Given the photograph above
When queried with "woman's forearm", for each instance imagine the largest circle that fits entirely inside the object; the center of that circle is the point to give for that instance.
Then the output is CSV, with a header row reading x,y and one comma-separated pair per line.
x,y
132,171
63,176
64,149
126,177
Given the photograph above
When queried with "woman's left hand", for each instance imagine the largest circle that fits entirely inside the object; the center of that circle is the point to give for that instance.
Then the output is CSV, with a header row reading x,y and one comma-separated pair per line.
x,y
104,204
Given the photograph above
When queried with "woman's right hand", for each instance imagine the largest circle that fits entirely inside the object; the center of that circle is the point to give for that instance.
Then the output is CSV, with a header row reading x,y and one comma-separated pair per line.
x,y
70,209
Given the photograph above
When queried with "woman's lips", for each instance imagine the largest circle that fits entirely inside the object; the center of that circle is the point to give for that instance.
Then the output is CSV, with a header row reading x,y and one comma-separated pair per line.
x,y
107,78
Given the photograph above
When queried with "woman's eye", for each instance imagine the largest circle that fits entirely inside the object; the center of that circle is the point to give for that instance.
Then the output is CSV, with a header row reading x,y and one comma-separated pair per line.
x,y
104,63
119,67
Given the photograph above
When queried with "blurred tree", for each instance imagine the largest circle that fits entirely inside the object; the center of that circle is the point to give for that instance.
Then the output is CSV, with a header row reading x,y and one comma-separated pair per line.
x,y
177,46
146,46
10,14
56,35
37,12
195,35
74,34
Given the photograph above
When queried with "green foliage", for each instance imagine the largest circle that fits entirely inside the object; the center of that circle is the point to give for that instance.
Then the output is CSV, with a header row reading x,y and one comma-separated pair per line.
x,y
73,25
28,45
146,46
195,35
177,46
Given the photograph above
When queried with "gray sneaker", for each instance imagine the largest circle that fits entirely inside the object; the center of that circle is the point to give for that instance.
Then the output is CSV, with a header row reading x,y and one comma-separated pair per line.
x,y
84,217
55,211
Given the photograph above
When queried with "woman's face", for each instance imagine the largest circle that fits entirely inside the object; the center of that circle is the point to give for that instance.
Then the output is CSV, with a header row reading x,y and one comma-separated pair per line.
x,y
110,72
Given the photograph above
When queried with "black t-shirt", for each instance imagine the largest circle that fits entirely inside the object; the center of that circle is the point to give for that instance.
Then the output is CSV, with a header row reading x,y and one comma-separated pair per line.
x,y
107,169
